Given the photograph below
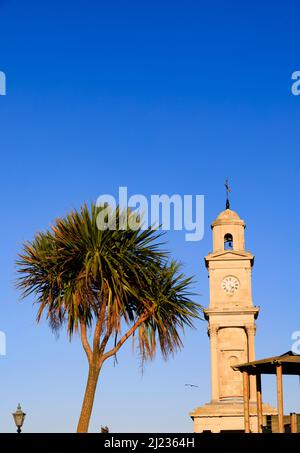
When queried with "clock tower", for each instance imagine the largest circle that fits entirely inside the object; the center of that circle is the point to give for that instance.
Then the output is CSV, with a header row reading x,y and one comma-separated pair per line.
x,y
231,319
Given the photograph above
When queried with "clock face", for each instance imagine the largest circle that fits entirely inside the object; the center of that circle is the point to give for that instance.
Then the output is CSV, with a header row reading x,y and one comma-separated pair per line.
x,y
230,285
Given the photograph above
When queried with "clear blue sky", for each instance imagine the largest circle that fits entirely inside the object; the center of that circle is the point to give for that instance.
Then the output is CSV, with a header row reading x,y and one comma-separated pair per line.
x,y
162,97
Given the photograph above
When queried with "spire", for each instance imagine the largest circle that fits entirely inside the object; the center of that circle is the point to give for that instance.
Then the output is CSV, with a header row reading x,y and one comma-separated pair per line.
x,y
228,189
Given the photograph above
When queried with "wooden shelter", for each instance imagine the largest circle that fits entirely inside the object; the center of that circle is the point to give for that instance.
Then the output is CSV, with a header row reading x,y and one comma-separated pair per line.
x,y
288,363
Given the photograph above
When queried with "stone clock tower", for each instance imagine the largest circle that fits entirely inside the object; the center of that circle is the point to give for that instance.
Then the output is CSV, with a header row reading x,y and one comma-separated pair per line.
x,y
231,327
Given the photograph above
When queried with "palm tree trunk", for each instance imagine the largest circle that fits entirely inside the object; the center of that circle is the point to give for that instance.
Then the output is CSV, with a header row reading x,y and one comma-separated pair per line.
x,y
88,400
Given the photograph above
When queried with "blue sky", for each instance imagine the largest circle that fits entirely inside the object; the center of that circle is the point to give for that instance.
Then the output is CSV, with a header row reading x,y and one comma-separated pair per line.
x,y
162,97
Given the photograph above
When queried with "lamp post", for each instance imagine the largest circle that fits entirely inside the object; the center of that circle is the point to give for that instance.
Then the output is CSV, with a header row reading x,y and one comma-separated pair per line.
x,y
19,417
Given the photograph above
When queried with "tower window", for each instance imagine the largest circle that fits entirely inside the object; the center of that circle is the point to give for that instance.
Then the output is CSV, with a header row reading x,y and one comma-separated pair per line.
x,y
228,242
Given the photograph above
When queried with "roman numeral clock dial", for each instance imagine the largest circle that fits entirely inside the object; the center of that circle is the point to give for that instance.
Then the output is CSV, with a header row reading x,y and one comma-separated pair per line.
x,y
230,285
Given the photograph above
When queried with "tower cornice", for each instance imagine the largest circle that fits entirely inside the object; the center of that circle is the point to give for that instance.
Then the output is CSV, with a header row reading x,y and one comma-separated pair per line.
x,y
229,255
230,311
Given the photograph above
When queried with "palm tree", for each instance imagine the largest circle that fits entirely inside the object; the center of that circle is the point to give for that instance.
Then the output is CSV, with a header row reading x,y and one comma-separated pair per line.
x,y
109,284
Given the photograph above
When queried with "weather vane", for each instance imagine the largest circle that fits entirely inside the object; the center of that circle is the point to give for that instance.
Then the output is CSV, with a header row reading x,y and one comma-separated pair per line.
x,y
228,189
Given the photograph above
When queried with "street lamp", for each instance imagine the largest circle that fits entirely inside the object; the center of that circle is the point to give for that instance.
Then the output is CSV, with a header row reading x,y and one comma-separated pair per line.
x,y
19,417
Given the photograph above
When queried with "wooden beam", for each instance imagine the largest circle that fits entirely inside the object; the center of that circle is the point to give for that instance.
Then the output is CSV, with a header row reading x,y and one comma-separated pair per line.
x,y
259,403
246,401
293,421
279,398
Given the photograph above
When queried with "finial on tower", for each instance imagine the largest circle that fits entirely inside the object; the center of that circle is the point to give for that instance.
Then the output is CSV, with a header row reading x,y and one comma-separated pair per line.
x,y
228,189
